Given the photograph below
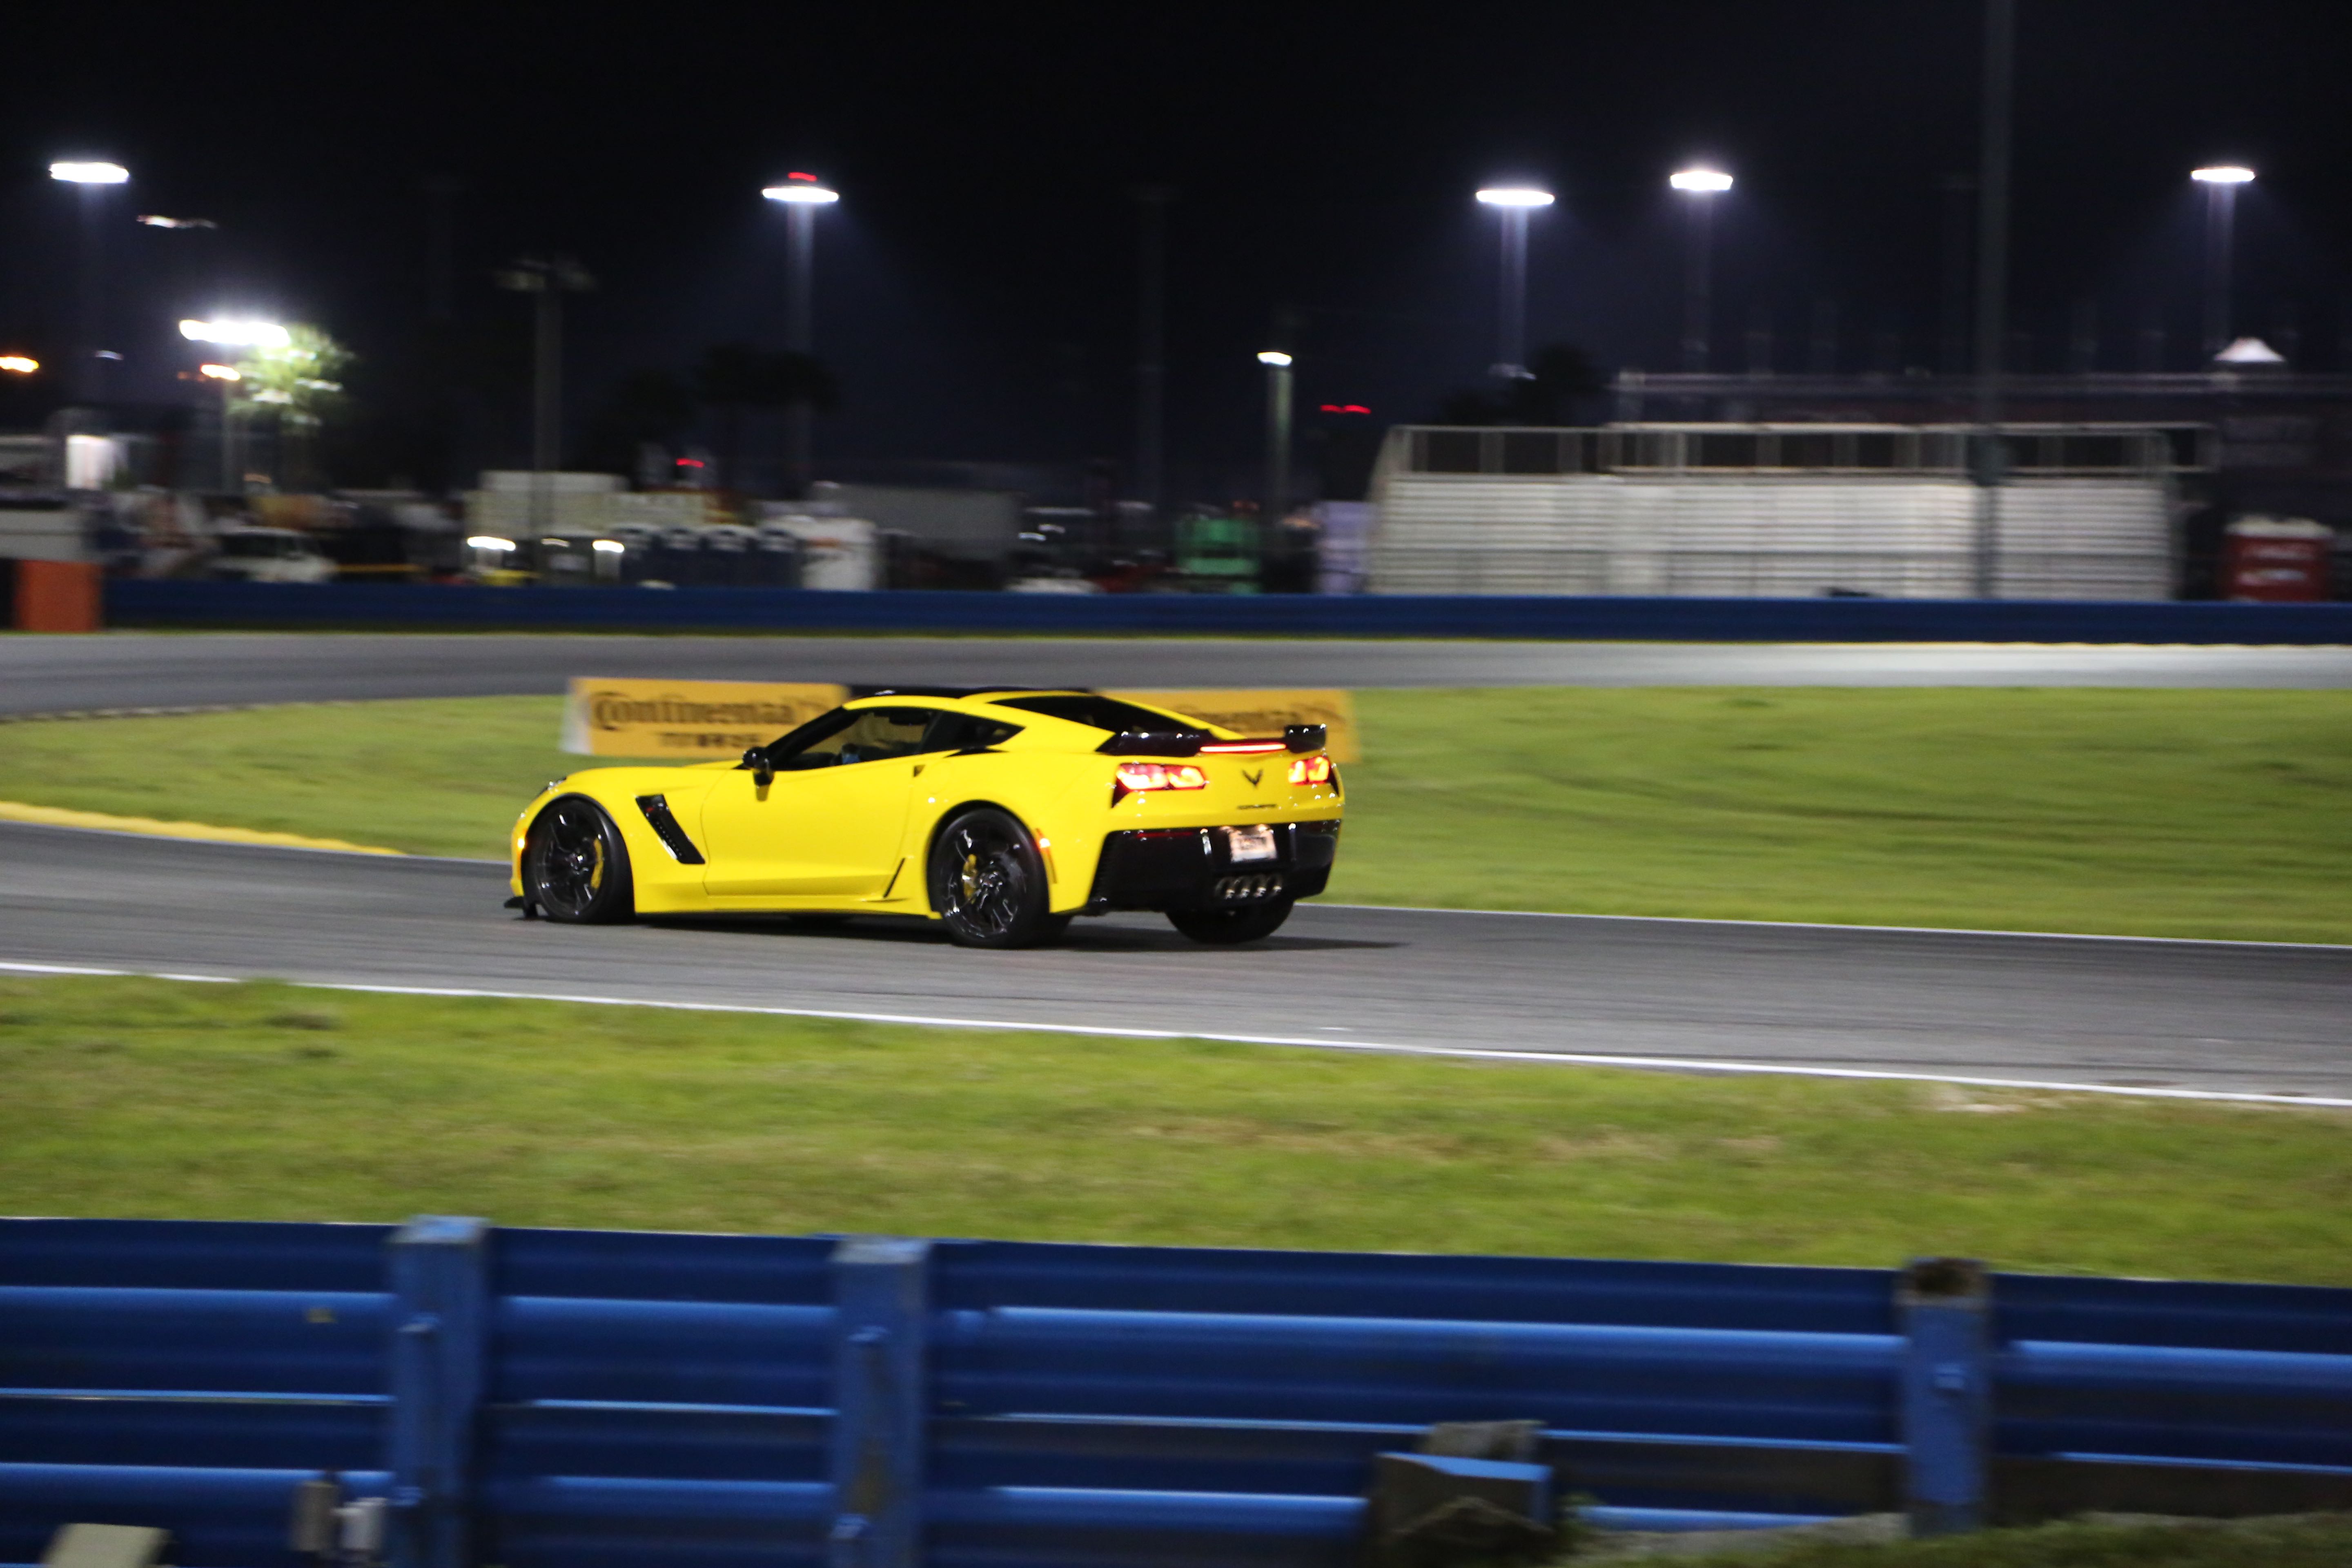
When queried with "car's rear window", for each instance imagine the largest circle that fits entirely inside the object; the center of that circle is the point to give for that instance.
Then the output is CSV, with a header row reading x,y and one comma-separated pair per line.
x,y
1101,712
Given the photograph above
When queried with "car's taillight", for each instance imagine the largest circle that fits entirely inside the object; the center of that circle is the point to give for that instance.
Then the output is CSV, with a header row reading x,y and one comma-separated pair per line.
x,y
1240,748
1311,769
1136,778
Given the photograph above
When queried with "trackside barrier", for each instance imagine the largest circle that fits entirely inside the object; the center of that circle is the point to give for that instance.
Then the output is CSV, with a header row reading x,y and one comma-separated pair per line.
x,y
140,602
587,1398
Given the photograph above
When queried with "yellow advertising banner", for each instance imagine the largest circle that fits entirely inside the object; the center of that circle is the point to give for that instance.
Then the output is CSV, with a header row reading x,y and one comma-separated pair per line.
x,y
700,720
688,721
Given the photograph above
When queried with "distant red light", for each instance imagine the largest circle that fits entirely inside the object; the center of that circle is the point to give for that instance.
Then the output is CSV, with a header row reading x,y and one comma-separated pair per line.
x,y
1345,408
797,175
689,462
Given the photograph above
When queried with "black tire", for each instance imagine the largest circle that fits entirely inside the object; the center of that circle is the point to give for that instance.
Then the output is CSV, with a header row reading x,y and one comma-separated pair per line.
x,y
574,866
1222,928
988,884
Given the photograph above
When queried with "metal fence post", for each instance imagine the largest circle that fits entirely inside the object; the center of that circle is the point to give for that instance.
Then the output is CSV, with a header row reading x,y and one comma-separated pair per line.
x,y
1946,1392
439,1269
882,1302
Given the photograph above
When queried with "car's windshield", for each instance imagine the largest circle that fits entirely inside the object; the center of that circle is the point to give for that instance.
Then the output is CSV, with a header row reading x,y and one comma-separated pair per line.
x,y
1102,713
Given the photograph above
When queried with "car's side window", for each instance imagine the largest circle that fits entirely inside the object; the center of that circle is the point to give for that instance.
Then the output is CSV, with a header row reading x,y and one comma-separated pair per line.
x,y
965,731
871,735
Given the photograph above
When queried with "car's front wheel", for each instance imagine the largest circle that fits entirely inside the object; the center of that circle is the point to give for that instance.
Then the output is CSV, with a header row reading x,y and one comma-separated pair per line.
x,y
1224,927
574,866
988,882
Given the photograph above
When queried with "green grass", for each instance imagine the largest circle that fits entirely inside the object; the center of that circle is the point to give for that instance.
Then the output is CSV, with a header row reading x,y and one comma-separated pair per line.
x,y
2304,1540
260,1101
2214,813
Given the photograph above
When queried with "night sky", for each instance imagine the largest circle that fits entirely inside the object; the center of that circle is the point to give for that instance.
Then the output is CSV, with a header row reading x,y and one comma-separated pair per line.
x,y
976,289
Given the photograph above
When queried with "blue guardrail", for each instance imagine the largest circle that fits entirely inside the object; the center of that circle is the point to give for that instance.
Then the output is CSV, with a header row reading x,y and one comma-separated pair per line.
x,y
140,602
587,1398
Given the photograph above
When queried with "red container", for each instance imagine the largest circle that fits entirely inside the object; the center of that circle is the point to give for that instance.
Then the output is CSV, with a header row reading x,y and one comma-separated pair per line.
x,y
56,596
2276,560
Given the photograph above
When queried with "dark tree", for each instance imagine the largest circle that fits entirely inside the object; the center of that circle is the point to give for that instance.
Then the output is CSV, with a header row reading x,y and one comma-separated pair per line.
x,y
648,405
1557,376
736,377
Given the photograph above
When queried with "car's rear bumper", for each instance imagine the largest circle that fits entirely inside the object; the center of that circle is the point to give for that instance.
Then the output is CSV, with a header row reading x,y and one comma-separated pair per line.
x,y
1193,868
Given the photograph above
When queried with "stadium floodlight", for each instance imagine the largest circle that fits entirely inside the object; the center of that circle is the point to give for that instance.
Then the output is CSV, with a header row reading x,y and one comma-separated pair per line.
x,y
19,364
1702,185
2221,182
1703,181
1513,203
77,171
802,195
238,334
220,373
802,190
1273,356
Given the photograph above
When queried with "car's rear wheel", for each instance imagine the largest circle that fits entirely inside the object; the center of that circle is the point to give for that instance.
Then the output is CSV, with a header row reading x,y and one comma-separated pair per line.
x,y
1225,927
988,883
574,866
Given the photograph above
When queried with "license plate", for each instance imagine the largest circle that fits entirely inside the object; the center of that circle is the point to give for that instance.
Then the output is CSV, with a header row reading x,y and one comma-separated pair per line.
x,y
1249,843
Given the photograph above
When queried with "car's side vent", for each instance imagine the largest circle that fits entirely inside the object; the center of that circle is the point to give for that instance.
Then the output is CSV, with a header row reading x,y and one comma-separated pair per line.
x,y
673,837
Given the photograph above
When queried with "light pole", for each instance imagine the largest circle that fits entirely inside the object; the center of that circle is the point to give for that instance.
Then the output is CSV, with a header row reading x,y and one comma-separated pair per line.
x,y
92,177
1514,203
1277,434
1700,187
225,377
2221,182
1152,344
802,195
547,278
1992,282
232,334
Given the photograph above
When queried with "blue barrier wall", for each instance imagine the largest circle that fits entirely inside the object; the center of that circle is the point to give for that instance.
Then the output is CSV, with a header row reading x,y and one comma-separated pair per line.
x,y
540,1397
135,602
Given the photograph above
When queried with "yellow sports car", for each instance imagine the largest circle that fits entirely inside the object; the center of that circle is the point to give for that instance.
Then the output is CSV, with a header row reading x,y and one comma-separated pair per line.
x,y
999,813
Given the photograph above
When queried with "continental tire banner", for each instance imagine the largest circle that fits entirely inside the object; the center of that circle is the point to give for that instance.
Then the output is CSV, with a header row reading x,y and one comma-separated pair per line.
x,y
697,721
691,721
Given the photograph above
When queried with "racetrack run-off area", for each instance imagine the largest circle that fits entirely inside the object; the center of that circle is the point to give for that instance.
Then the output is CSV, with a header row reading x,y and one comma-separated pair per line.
x,y
2153,813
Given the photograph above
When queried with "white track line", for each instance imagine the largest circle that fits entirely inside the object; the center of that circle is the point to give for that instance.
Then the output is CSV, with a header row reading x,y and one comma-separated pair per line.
x,y
1558,1059
1828,925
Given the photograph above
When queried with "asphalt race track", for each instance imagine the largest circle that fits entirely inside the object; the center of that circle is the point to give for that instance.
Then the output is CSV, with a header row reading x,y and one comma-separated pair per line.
x,y
2124,1013
151,669
2210,1017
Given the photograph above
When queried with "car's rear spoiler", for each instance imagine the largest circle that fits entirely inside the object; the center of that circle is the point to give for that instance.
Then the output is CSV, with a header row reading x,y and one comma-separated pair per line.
x,y
1192,742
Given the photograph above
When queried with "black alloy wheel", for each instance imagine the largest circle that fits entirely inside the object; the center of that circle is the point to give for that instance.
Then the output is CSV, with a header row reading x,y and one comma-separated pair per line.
x,y
988,884
1222,928
574,866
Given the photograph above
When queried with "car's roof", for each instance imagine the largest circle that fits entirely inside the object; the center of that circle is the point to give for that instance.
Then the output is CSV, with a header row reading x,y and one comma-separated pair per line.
x,y
862,693
980,698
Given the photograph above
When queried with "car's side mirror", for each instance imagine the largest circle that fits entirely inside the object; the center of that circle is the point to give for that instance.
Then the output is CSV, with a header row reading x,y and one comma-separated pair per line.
x,y
763,771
